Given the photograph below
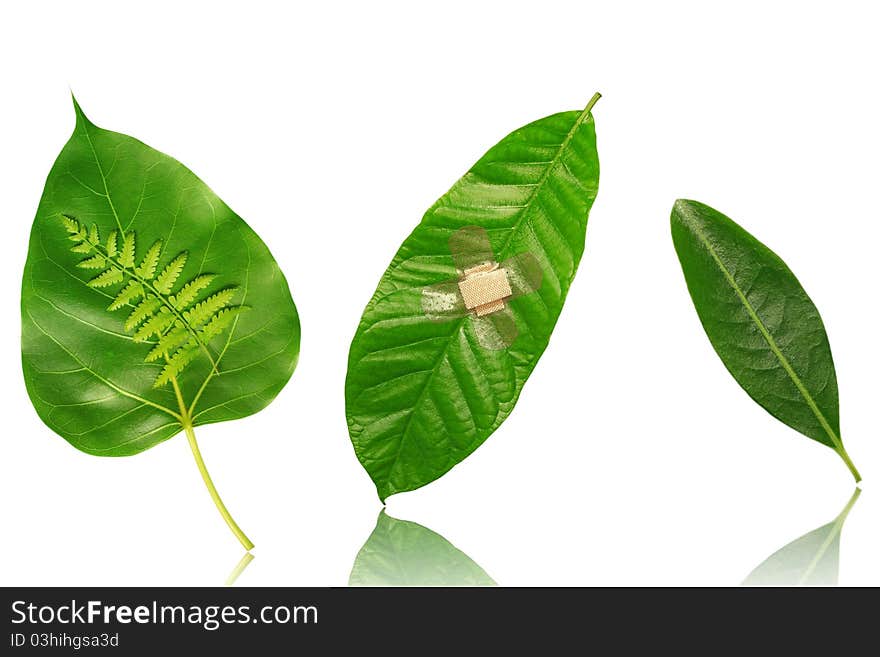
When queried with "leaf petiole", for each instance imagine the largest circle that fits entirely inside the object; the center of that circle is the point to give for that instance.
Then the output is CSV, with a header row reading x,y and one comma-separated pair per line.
x,y
852,466
186,422
239,568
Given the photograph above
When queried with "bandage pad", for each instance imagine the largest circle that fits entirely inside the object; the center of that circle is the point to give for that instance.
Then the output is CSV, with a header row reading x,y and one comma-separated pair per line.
x,y
483,289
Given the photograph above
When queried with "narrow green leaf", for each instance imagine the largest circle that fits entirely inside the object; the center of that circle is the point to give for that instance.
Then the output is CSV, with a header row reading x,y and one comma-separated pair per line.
x,y
132,291
141,312
219,322
402,553
811,560
760,321
155,325
175,365
106,279
204,310
165,281
126,258
168,343
111,243
190,291
95,262
147,268
427,381
71,223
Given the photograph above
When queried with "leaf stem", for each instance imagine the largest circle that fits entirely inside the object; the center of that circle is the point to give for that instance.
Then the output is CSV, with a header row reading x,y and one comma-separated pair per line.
x,y
593,101
194,446
186,422
239,568
849,464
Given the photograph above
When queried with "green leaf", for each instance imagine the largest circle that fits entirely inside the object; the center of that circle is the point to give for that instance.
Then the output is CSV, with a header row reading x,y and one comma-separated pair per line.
x,y
169,343
132,291
156,324
219,322
811,560
760,321
87,374
402,553
127,256
203,311
147,269
190,291
176,363
106,279
111,244
95,262
165,281
425,390
142,311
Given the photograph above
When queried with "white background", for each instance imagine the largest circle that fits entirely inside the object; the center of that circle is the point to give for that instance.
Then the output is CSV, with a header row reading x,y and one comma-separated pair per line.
x,y
632,456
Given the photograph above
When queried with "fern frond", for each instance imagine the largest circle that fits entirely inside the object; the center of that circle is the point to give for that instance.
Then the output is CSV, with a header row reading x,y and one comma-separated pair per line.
x,y
190,291
95,262
111,243
141,311
107,278
126,258
168,277
175,365
156,324
219,323
202,311
168,343
147,268
128,294
183,325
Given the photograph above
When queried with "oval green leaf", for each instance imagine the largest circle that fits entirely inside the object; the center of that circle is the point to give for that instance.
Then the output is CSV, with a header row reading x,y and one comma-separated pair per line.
x,y
760,321
423,392
148,306
403,553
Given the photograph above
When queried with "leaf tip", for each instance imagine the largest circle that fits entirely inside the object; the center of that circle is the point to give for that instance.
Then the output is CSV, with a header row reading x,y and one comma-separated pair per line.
x,y
81,118
683,211
681,205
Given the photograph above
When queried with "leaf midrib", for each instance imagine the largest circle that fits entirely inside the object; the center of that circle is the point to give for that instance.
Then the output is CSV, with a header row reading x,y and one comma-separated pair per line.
x,y
501,251
765,333
85,126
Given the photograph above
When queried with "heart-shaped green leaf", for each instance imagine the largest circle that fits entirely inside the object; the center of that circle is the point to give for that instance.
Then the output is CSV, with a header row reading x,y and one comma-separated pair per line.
x,y
468,304
760,321
811,560
148,306
403,553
